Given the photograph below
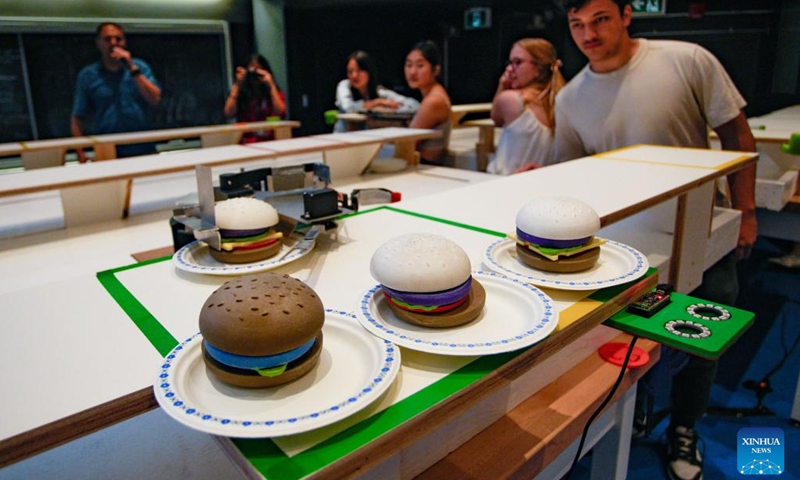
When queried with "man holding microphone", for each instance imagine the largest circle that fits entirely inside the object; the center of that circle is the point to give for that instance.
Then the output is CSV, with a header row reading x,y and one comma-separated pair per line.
x,y
115,94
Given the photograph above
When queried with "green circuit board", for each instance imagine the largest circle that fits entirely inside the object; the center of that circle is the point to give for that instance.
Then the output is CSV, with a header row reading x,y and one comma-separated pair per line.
x,y
696,326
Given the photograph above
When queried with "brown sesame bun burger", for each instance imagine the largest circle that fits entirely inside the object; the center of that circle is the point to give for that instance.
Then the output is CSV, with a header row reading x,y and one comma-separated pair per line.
x,y
262,330
556,234
246,231
426,280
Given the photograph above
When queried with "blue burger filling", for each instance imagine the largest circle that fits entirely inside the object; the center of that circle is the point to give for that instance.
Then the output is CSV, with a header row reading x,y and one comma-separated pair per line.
x,y
257,363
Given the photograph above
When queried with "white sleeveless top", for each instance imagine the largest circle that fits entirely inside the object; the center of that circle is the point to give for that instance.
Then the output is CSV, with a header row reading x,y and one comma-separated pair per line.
x,y
522,141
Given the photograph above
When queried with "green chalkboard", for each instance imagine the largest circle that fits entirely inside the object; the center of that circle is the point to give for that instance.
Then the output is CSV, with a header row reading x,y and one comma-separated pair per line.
x,y
39,68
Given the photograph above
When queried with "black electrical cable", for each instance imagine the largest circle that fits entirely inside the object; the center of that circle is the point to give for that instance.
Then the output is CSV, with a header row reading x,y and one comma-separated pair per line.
x,y
602,406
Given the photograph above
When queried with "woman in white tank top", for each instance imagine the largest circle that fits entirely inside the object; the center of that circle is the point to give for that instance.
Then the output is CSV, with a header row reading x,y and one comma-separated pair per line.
x,y
524,106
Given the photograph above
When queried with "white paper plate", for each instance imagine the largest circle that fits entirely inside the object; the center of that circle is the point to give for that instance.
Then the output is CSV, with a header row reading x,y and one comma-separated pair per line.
x,y
354,369
618,264
515,316
195,258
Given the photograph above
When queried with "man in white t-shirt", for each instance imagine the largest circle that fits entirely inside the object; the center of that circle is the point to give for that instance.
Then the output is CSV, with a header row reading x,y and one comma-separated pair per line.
x,y
664,93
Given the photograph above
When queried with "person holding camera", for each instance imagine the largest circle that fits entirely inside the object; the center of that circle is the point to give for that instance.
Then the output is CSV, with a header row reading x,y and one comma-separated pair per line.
x,y
255,96
115,94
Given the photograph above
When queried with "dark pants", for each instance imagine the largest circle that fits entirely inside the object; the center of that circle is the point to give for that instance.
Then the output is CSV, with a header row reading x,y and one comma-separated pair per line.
x,y
693,376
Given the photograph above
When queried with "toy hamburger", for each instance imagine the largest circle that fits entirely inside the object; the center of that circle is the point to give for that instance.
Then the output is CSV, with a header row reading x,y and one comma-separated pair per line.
x,y
556,234
246,231
426,280
262,330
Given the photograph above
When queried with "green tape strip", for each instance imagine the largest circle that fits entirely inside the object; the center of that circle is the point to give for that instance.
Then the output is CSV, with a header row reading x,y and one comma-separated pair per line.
x,y
427,217
271,462
449,222
158,336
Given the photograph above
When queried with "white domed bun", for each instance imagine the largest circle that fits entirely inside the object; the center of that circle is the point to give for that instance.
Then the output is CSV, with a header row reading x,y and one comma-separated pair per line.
x,y
419,262
245,213
558,218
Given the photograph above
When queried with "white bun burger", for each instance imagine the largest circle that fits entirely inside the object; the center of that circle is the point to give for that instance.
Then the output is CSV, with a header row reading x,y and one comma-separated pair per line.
x,y
245,225
427,280
261,330
556,234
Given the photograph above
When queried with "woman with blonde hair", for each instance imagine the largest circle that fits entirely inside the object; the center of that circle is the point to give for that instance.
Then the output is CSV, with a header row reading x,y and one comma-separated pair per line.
x,y
524,105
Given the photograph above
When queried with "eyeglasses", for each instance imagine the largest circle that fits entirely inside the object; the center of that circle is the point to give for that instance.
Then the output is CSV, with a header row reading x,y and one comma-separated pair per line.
x,y
516,62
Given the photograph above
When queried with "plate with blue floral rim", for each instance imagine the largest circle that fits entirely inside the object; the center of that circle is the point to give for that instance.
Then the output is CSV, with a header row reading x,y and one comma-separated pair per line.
x,y
195,258
618,263
355,369
516,315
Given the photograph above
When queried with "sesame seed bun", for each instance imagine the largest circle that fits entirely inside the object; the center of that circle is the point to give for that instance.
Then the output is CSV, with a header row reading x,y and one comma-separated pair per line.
x,y
558,218
261,315
245,217
245,213
428,264
420,262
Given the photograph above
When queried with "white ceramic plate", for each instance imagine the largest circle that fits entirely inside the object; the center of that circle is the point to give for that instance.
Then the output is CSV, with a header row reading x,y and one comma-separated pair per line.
x,y
354,369
618,264
195,258
515,316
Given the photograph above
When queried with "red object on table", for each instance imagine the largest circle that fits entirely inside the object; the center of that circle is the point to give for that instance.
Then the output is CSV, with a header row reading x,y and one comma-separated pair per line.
x,y
614,353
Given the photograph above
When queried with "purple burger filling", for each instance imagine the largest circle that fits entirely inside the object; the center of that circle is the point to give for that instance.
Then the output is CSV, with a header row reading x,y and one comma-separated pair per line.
x,y
443,297
241,233
550,243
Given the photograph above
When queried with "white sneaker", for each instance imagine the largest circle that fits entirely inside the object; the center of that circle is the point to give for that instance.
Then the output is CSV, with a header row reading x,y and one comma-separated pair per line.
x,y
684,461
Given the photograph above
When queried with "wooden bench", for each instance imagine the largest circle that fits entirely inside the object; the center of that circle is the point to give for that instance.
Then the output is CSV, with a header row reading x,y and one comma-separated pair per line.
x,y
460,111
50,153
82,186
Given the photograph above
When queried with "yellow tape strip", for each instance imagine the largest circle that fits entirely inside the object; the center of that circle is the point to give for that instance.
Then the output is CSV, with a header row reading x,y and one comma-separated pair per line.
x,y
610,156
577,311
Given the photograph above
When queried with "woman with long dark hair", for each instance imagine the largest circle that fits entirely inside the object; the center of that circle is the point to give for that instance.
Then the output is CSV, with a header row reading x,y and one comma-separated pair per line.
x,y
422,69
361,91
255,96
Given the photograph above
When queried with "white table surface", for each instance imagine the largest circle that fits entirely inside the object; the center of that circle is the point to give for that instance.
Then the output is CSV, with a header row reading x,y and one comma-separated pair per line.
x,y
612,187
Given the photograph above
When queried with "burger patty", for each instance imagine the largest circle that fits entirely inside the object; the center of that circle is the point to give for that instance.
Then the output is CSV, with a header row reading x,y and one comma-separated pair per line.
x,y
246,256
247,378
573,263
467,312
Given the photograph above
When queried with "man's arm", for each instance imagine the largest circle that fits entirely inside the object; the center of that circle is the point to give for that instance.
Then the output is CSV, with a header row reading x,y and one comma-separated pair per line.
x,y
76,127
147,88
736,135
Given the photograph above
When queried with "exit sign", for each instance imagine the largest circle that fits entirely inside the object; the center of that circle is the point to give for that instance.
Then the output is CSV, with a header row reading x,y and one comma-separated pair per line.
x,y
480,17
649,7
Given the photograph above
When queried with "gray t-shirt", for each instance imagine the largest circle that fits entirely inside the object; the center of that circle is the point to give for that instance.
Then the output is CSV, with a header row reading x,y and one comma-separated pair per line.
x,y
668,94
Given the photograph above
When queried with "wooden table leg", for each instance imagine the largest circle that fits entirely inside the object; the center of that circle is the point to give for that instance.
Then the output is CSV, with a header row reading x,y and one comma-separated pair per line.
x,y
486,137
105,151
692,229
283,133
42,158
407,151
